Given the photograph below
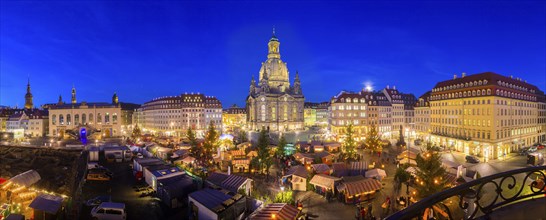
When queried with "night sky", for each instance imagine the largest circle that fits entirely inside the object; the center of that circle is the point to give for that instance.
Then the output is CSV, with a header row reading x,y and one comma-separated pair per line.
x,y
143,50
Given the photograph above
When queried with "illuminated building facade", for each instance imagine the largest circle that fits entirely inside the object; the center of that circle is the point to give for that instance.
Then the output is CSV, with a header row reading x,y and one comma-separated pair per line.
x,y
273,103
100,119
233,118
174,115
361,109
485,114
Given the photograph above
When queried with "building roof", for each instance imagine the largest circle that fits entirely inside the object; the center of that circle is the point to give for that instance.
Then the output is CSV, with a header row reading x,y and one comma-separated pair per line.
x,y
281,211
234,110
423,100
237,153
241,162
347,179
358,168
367,97
495,85
217,178
47,203
298,170
177,186
358,187
215,200
339,169
84,104
325,181
233,182
27,178
321,168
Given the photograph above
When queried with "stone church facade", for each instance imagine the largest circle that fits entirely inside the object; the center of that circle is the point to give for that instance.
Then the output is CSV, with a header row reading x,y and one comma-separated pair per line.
x,y
273,103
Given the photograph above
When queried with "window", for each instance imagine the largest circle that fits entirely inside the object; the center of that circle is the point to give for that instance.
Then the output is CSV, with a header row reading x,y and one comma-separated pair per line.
x,y
90,118
107,118
76,119
68,119
99,118
54,119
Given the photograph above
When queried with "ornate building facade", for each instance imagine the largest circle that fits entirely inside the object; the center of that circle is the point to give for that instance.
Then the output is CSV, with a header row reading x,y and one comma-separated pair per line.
x,y
174,115
484,114
99,119
273,103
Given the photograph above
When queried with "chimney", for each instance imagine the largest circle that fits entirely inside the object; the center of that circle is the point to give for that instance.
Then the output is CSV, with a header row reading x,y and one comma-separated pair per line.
x,y
511,76
387,86
463,75
454,76
394,87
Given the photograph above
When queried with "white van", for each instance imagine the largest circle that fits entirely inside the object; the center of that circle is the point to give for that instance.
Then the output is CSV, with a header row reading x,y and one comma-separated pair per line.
x,y
109,211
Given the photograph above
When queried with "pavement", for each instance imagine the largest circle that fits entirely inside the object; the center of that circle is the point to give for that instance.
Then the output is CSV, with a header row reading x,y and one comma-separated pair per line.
x,y
120,188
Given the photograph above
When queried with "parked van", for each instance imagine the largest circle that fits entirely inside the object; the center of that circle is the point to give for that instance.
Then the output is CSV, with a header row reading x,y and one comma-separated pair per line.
x,y
109,211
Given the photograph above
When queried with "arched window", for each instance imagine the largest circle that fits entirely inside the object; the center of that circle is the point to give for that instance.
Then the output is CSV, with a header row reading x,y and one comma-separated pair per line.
x,y
488,91
76,119
107,118
473,92
54,119
285,112
61,119
99,118
91,119
355,100
83,119
68,119
115,118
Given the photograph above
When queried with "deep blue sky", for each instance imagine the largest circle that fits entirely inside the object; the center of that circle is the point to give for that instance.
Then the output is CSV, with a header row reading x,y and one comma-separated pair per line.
x,y
143,50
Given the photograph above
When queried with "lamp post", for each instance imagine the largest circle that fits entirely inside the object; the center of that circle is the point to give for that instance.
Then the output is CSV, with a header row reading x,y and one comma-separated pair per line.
x,y
408,146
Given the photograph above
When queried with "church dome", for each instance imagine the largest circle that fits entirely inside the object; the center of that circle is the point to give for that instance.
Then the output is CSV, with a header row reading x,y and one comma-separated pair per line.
x,y
276,70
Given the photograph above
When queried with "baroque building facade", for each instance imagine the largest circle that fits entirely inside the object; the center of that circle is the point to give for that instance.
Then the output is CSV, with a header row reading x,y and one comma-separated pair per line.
x,y
273,103
98,119
485,114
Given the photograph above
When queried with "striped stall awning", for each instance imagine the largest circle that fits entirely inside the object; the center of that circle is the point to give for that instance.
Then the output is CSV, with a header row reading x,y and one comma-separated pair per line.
x,y
358,168
237,153
364,186
281,211
241,162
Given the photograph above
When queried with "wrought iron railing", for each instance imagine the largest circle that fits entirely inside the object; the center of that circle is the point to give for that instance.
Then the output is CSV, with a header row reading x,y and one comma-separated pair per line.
x,y
480,197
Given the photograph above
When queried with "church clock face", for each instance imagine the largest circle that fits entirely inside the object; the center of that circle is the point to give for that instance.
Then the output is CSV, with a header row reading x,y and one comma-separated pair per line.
x,y
285,99
263,99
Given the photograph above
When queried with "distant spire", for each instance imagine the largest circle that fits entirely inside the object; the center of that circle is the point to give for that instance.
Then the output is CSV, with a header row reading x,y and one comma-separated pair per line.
x,y
274,31
73,94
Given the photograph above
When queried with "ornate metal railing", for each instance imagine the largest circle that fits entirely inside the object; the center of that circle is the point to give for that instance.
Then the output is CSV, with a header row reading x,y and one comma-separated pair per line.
x,y
480,197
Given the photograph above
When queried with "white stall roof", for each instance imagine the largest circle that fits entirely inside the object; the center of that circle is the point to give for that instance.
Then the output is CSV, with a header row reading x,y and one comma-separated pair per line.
x,y
27,178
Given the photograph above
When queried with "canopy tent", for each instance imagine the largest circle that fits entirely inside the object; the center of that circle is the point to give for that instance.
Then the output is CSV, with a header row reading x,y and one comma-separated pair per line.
x,y
276,210
47,203
376,173
363,186
27,178
324,181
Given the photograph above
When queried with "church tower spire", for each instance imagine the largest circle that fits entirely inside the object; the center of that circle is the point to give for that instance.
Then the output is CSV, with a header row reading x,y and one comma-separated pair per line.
x,y
297,84
115,99
273,47
252,85
60,102
73,94
28,96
